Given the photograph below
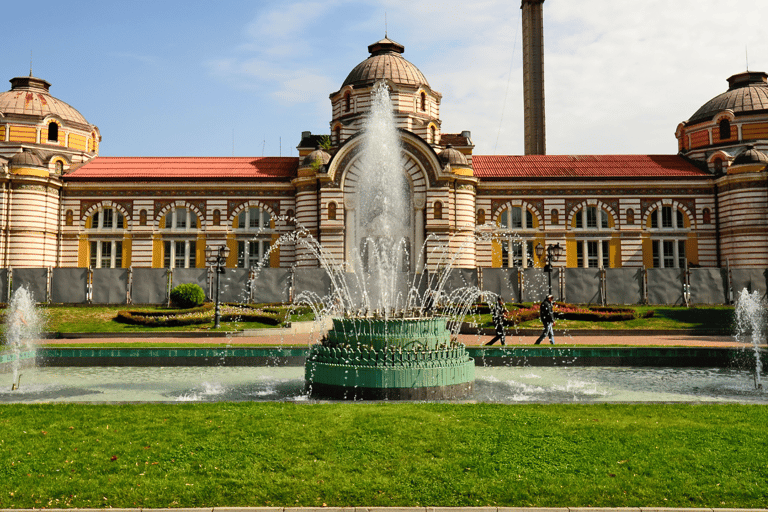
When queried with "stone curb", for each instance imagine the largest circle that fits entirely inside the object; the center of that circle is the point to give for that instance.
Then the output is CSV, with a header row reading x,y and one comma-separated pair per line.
x,y
395,509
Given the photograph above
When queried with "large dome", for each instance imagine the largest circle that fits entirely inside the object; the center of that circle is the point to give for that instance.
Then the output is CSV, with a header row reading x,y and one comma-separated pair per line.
x,y
747,94
386,62
30,96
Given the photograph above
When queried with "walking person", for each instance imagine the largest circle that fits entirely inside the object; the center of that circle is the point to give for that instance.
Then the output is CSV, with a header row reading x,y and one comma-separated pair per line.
x,y
547,317
497,311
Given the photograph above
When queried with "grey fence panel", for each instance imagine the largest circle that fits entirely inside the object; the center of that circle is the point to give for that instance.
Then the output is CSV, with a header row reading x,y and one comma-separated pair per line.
x,y
624,285
33,279
502,281
665,286
149,286
271,285
234,285
311,281
582,285
110,286
3,284
708,286
69,285
460,278
198,276
536,284
753,279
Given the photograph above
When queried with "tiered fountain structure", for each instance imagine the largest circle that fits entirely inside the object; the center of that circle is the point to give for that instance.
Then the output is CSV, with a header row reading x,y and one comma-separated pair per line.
x,y
386,341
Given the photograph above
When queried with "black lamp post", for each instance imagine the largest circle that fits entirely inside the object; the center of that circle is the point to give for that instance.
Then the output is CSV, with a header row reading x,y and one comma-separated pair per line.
x,y
553,253
217,258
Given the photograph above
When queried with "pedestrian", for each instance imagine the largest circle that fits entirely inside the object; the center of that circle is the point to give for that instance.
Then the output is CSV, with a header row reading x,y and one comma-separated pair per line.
x,y
547,317
497,311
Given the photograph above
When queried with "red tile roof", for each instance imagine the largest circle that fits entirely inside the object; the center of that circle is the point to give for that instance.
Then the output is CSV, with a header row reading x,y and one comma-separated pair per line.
x,y
584,166
184,168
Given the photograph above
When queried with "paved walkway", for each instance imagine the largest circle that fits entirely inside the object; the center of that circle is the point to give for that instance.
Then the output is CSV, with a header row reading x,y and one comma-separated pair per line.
x,y
277,338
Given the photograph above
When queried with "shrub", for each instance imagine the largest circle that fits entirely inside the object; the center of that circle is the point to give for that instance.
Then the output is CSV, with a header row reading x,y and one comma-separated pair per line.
x,y
187,295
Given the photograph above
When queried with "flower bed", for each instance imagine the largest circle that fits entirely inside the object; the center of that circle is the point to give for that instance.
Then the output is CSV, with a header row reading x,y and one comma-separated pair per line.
x,y
203,315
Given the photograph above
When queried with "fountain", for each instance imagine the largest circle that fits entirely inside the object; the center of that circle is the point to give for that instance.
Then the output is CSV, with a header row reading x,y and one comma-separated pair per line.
x,y
386,342
751,315
23,326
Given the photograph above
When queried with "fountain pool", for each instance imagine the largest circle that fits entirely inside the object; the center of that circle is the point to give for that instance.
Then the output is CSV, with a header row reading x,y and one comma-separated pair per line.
x,y
492,385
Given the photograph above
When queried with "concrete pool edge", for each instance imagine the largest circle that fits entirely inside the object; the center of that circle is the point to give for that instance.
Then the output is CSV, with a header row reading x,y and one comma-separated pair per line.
x,y
718,357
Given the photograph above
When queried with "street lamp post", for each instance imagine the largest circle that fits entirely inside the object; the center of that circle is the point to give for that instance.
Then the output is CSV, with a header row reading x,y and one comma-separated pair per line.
x,y
217,258
553,252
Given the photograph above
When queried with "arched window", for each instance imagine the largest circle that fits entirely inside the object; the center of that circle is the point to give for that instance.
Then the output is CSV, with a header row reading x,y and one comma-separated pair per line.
x,y
69,218
217,217
53,132
337,135
105,243
516,244
707,216
181,218
331,211
423,102
107,219
143,218
725,129
630,216
438,210
432,135
592,217
59,167
480,217
347,101
555,217
668,242
253,231
718,165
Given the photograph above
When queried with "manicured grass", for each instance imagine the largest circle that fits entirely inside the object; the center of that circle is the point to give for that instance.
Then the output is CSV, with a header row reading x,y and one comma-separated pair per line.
x,y
75,319
67,319
282,454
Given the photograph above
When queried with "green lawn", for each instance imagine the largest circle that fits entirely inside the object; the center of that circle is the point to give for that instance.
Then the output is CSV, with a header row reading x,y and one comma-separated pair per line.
x,y
76,319
383,454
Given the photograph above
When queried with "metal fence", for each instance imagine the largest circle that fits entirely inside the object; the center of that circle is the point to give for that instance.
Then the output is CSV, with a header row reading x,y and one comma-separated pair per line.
x,y
274,285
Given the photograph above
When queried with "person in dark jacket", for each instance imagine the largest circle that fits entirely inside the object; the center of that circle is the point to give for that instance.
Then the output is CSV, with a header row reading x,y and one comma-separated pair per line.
x,y
547,317
498,310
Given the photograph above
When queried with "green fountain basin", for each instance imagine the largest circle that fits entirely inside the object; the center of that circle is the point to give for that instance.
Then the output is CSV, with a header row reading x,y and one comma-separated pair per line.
x,y
397,359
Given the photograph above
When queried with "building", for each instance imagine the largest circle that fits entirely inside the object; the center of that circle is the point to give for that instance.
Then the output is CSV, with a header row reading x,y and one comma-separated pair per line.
x,y
62,205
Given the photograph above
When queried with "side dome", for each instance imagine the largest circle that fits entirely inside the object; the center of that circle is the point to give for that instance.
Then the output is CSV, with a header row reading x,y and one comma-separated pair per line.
x,y
29,96
747,94
386,62
25,158
317,158
452,156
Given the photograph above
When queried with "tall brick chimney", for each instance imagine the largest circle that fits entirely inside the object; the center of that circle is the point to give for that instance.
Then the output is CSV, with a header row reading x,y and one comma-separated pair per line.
x,y
533,77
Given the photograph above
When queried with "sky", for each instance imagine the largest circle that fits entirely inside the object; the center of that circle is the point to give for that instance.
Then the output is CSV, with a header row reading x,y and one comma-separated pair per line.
x,y
245,78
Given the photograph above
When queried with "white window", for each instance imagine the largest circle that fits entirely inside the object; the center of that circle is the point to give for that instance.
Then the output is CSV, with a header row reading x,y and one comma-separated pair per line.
x,y
180,253
669,254
106,254
516,253
250,252
592,254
